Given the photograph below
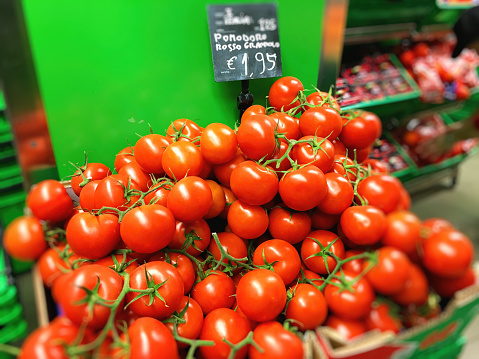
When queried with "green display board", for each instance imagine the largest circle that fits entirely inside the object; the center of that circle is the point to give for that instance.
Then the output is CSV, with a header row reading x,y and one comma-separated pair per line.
x,y
101,63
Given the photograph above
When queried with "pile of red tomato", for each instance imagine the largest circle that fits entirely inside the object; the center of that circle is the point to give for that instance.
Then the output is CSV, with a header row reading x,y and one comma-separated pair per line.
x,y
230,243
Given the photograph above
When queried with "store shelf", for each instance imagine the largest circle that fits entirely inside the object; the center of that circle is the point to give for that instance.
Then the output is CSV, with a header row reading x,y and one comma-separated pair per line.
x,y
3,105
455,4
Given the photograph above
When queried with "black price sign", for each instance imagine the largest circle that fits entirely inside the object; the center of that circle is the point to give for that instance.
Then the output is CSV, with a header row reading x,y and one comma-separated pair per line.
x,y
244,41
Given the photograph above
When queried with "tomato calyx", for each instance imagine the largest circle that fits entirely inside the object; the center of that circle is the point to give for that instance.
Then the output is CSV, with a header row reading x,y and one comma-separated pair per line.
x,y
120,267
80,170
226,260
56,234
178,134
325,252
151,290
92,297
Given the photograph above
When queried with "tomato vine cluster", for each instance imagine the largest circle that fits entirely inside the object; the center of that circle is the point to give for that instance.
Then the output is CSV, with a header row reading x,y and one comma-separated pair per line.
x,y
234,242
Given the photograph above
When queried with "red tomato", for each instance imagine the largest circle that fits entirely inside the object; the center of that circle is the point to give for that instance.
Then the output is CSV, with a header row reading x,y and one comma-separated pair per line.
x,y
148,228
376,165
159,193
320,153
355,265
283,93
321,220
288,225
407,57
339,195
322,122
404,201
341,166
217,290
94,316
307,309
312,276
359,155
149,339
261,295
137,175
402,231
382,191
218,143
339,148
24,238
374,121
284,256
223,324
219,199
87,195
254,110
149,152
380,317
363,225
448,253
416,290
115,191
436,225
193,317
349,301
183,265
360,132
254,184
275,342
182,159
223,171
184,130
323,99
256,137
190,199
231,243
447,287
92,171
230,198
285,164
167,284
389,275
286,124
347,328
421,49
312,251
303,189
123,157
49,201
51,265
247,221
195,234
121,265
92,236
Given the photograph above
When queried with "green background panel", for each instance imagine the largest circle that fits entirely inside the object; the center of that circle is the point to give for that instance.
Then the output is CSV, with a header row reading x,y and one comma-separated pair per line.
x,y
100,63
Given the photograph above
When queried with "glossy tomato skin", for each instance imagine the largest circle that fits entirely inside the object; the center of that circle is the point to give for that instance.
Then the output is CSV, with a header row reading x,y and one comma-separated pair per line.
x,y
254,110
283,92
87,195
24,238
321,220
190,199
247,221
447,287
217,290
256,137
391,272
172,290
253,183
340,166
382,191
183,130
363,225
276,342
380,317
322,122
199,230
416,290
403,229
49,201
50,265
303,189
339,195
360,132
283,253
261,295
447,253
109,289
218,143
283,165
436,225
222,324
321,157
231,243
182,158
193,316
149,152
219,199
350,305
122,266
150,338
159,194
307,308
93,171
223,171
355,265
137,175
183,265
123,157
321,98
229,199
155,223
288,225
310,248
286,124
92,236
346,327
377,166
110,192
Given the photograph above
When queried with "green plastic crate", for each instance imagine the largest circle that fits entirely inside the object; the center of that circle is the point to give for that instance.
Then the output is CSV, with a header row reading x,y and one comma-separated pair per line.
x,y
13,331
4,125
10,314
9,169
2,102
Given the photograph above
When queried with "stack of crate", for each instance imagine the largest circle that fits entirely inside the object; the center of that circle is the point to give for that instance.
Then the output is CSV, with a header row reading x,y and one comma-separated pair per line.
x,y
12,200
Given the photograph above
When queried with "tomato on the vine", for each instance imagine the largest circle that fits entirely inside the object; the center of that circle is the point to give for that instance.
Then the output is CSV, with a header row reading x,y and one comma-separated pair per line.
x,y
231,244
219,199
149,152
314,251
289,225
223,171
321,121
339,194
137,175
286,124
92,171
51,266
218,143
382,191
116,191
24,238
363,225
307,309
254,110
283,93
275,342
49,201
184,130
247,221
217,290
321,220
256,137
193,318
197,234
361,131
182,159
403,229
123,157
416,289
383,318
318,152
346,327
190,199
87,195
